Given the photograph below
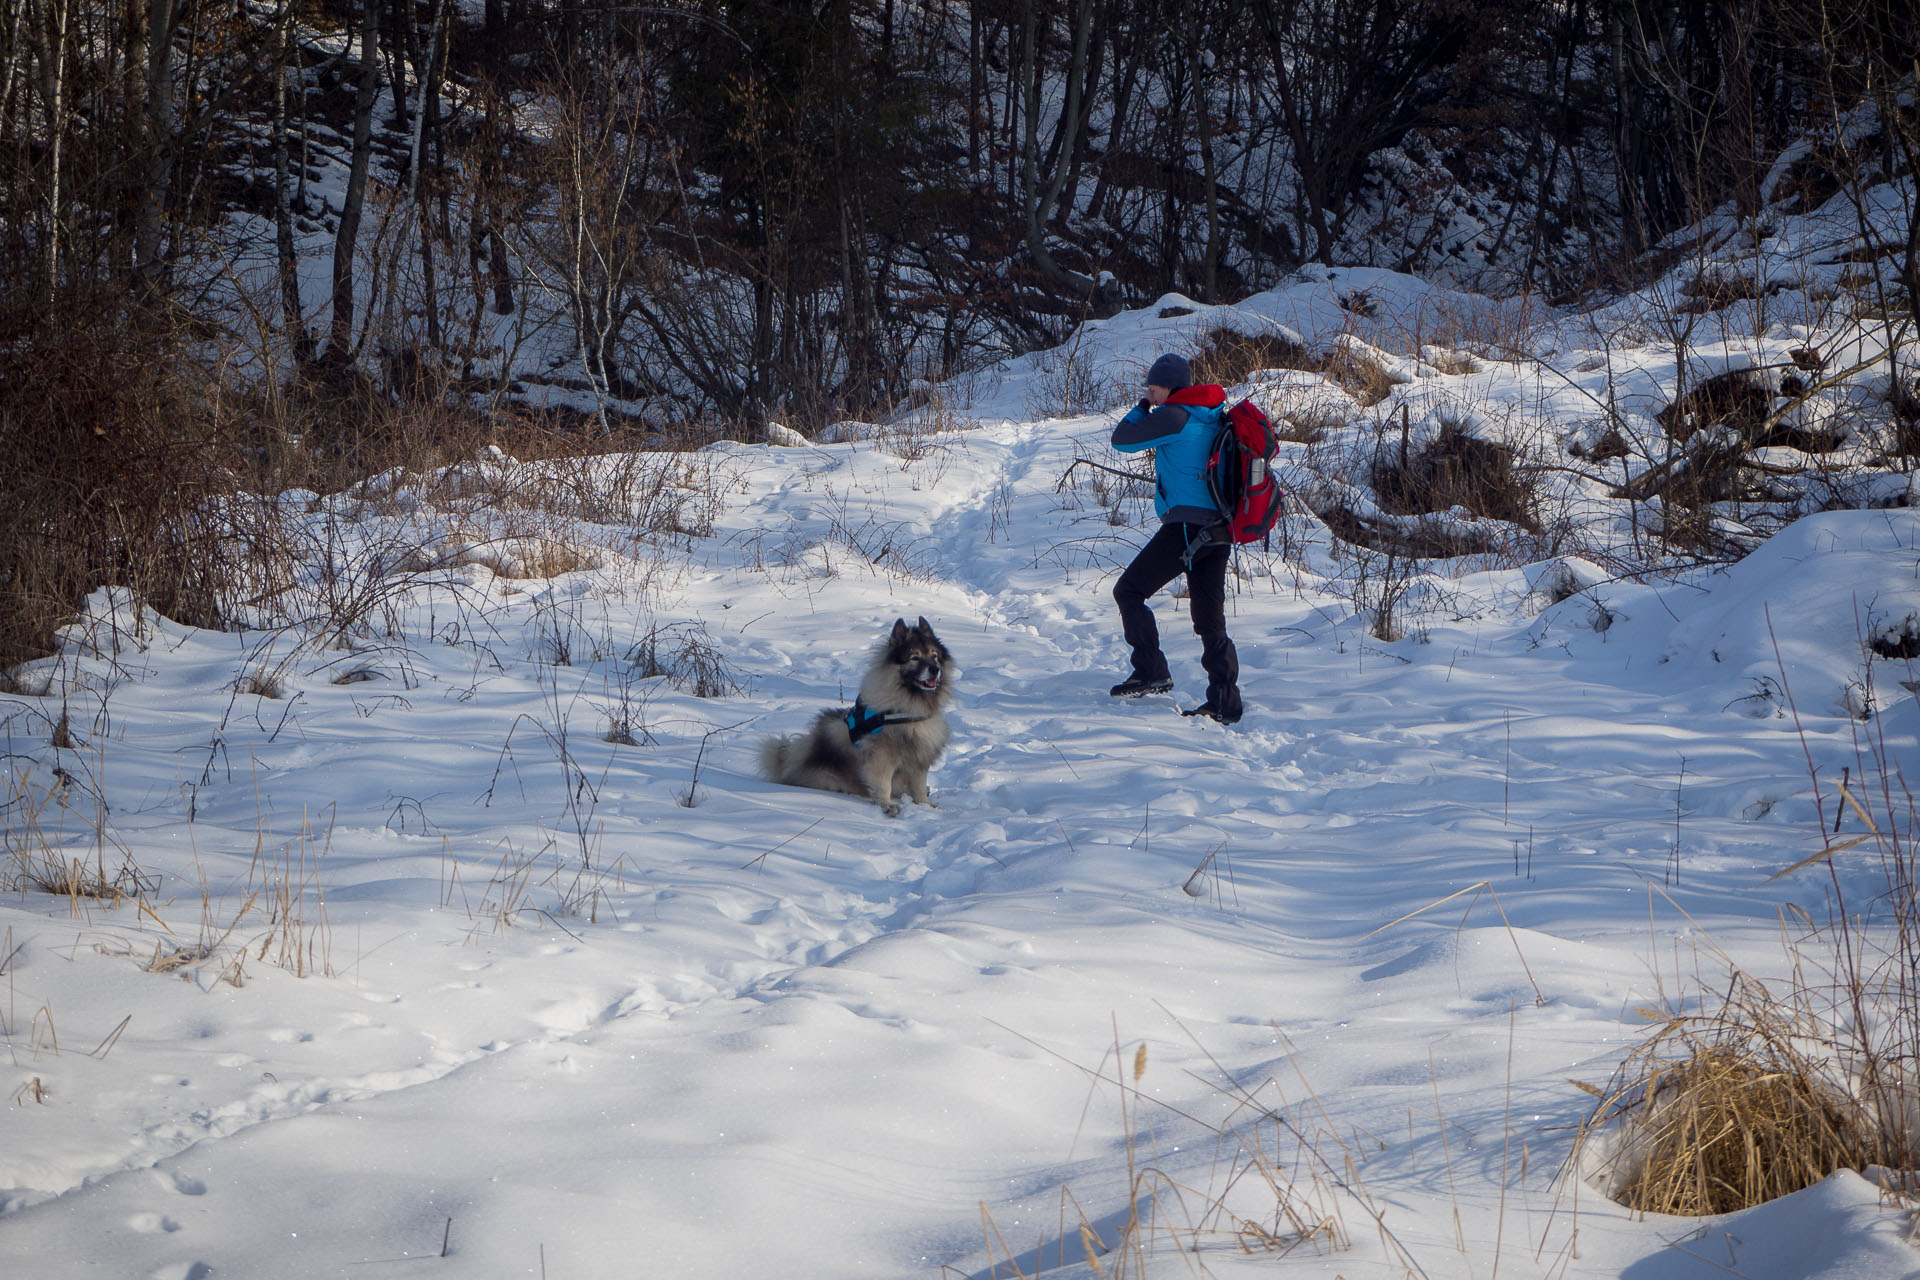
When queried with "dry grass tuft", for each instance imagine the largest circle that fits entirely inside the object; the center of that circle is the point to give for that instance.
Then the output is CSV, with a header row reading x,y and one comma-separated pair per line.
x,y
1280,1180
1359,369
1448,360
533,557
298,937
1733,1122
39,859
1777,1088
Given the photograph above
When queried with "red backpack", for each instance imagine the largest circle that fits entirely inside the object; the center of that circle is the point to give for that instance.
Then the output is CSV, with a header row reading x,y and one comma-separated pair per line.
x,y
1240,472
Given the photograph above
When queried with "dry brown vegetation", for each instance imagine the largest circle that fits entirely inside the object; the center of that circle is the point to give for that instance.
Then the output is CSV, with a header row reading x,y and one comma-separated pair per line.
x,y
1456,470
1354,367
1775,1086
1229,356
109,454
1723,1112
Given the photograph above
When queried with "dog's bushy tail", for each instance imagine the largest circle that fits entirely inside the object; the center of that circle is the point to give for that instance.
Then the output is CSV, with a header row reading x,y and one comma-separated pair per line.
x,y
773,758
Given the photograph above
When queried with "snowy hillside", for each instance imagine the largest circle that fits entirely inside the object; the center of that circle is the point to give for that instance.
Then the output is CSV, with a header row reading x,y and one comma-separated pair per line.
x,y
460,938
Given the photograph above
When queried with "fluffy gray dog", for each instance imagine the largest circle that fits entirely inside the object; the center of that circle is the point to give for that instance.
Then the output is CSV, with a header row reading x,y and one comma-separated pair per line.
x,y
889,738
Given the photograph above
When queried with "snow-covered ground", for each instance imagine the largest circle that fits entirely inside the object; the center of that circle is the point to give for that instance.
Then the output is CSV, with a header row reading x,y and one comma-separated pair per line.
x,y
429,976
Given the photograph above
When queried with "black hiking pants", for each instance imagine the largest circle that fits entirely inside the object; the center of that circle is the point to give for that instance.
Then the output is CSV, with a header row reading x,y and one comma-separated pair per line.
x,y
1159,563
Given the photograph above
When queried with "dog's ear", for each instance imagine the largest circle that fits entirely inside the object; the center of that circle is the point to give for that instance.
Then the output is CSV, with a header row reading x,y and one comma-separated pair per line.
x,y
899,630
923,628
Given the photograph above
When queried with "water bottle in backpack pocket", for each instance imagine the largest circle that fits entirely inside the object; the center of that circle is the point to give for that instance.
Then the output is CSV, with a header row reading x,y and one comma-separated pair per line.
x,y
1240,474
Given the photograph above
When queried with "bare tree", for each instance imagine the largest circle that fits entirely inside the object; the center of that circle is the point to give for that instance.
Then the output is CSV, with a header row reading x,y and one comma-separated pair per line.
x,y
49,25
1040,193
346,241
1352,76
162,16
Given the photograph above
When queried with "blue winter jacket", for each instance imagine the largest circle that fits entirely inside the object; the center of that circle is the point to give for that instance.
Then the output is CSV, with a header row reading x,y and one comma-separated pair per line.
x,y
1180,432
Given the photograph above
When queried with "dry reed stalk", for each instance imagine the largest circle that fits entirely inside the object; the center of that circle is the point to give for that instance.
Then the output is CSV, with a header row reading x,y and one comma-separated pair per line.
x,y
1272,1189
36,860
298,938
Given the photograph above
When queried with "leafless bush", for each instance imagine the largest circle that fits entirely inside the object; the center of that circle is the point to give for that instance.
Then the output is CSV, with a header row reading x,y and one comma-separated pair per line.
x,y
1903,401
355,578
1382,579
1455,469
1230,356
1069,383
112,444
1737,399
328,427
646,483
626,707
920,433
1718,286
685,654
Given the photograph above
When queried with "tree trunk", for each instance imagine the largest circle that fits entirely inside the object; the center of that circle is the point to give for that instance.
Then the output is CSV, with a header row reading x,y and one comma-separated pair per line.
x,y
49,38
162,15
1738,138
1210,198
294,322
346,238
1039,198
426,115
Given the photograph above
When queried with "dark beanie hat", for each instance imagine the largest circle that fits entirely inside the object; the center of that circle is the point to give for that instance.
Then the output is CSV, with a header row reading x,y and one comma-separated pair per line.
x,y
1170,371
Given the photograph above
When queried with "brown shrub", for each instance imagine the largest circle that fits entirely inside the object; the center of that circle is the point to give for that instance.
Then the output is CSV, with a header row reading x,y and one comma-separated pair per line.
x,y
1449,361
109,447
1718,288
1228,356
1416,540
331,426
1813,179
1609,446
1364,378
1904,401
1456,470
1738,399
1743,401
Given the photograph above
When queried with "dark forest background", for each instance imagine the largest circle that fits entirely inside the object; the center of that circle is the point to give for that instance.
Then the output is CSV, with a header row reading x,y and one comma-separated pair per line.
x,y
273,243
810,204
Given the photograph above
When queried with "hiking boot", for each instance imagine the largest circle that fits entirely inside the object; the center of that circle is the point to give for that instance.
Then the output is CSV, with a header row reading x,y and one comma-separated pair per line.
x,y
1140,687
1214,713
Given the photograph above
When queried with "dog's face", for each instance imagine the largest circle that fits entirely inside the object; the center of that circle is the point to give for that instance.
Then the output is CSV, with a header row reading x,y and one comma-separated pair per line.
x,y
919,659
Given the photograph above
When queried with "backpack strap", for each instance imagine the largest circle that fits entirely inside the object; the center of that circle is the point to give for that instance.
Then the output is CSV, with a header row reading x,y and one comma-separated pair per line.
x,y
863,721
1212,535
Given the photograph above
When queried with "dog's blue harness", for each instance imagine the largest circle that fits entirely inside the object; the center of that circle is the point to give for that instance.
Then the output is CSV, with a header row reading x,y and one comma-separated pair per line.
x,y
863,721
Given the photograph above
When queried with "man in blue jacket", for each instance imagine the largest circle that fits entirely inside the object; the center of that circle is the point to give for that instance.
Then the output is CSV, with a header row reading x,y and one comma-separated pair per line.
x,y
1177,421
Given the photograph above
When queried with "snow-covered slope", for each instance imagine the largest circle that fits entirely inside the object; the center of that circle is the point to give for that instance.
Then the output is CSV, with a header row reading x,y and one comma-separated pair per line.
x,y
428,974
